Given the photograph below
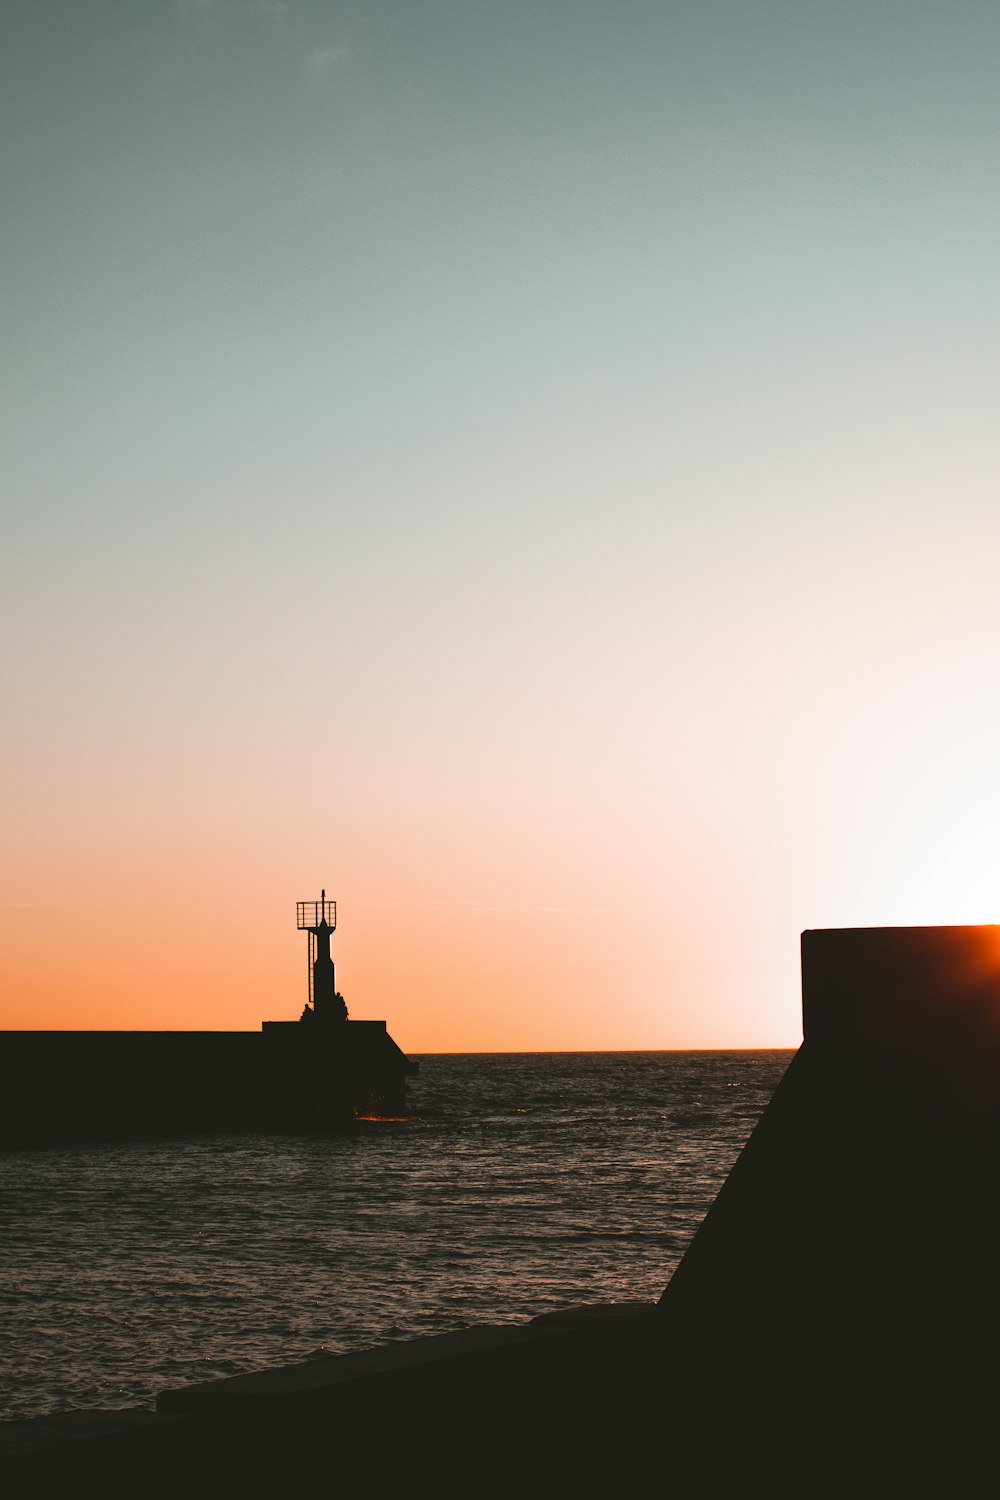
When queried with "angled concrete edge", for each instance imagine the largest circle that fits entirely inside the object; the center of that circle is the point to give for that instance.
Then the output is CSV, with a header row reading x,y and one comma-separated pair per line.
x,y
466,1354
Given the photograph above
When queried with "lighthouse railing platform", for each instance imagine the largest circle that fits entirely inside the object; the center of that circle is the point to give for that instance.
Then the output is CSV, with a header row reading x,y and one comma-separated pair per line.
x,y
309,914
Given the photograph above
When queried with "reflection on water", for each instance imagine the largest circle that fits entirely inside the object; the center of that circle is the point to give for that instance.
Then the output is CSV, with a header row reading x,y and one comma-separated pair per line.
x,y
527,1182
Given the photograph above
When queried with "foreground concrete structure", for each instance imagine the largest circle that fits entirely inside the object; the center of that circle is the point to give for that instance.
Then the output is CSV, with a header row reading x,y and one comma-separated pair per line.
x,y
830,1330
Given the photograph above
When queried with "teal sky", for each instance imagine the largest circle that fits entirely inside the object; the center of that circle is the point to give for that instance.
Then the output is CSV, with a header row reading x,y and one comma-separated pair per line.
x,y
499,457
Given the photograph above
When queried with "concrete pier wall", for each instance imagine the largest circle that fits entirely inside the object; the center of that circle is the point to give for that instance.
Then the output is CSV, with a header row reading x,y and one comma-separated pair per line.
x,y
862,1214
66,1086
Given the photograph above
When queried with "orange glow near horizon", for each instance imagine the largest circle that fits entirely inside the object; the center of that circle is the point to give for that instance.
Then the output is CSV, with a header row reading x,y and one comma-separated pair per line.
x,y
447,976
617,942
614,943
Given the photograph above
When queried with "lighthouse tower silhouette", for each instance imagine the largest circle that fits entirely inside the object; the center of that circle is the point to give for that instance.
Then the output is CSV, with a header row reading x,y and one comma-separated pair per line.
x,y
324,1069
319,919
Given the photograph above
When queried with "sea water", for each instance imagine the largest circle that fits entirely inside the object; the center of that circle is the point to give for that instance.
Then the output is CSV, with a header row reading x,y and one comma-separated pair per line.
x,y
522,1183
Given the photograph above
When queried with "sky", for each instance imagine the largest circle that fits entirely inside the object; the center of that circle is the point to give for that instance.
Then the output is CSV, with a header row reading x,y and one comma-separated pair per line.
x,y
526,466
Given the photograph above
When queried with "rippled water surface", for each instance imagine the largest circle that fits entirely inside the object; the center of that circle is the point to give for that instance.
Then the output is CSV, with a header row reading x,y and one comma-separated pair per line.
x,y
525,1182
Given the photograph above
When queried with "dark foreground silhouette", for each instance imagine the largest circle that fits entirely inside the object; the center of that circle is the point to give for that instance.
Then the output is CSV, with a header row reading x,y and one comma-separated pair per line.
x,y
822,1335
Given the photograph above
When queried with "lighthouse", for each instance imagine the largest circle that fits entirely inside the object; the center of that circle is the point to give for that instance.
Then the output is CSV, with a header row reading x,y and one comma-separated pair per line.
x,y
324,1069
319,919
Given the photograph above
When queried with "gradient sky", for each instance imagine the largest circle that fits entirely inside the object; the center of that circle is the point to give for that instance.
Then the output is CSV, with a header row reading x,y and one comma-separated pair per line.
x,y
529,466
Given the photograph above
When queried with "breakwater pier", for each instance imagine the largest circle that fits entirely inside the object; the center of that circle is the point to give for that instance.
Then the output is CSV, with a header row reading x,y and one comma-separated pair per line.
x,y
319,1070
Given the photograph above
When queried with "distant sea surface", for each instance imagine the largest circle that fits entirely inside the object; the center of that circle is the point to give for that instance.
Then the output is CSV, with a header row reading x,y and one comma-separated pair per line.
x,y
525,1182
